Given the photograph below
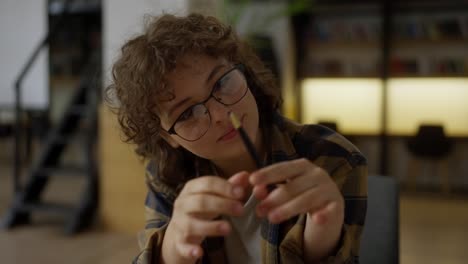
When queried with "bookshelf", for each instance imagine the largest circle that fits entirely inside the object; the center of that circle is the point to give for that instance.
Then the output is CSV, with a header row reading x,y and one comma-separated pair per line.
x,y
349,45
428,68
341,46
429,44
339,57
427,41
378,69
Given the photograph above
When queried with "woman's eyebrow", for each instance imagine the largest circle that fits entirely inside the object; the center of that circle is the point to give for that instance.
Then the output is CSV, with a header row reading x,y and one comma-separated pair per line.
x,y
213,73
174,107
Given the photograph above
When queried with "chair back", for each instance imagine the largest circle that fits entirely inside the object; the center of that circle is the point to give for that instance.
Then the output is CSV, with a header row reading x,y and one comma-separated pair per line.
x,y
380,238
430,142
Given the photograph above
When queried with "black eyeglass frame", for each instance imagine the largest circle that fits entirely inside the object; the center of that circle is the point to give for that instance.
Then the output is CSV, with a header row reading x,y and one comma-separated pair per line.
x,y
239,67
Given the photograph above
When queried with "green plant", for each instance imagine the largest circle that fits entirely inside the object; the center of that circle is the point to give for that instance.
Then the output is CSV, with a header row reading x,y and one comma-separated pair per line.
x,y
232,10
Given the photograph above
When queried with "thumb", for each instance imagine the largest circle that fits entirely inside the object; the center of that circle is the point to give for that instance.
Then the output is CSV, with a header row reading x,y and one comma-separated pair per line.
x,y
240,179
323,215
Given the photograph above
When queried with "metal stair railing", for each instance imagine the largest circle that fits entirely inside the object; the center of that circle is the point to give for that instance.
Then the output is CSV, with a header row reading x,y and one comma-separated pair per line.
x,y
82,109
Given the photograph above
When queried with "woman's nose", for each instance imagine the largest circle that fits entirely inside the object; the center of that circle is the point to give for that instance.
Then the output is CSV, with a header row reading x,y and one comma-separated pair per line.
x,y
218,111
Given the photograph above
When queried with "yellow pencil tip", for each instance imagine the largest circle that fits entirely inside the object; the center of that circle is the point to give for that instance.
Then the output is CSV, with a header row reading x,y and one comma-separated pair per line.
x,y
235,122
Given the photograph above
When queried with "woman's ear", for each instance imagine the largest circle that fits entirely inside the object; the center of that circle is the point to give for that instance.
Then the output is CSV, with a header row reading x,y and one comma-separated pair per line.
x,y
169,139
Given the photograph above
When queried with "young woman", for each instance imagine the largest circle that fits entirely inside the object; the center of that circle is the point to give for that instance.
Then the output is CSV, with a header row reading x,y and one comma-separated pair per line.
x,y
207,202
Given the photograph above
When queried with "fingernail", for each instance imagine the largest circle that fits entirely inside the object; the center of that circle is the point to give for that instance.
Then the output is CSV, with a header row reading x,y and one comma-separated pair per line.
x,y
194,252
224,228
319,218
252,179
274,216
238,192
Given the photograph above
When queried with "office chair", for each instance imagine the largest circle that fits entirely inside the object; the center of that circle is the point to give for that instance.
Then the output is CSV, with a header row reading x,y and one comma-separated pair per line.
x,y
429,145
380,238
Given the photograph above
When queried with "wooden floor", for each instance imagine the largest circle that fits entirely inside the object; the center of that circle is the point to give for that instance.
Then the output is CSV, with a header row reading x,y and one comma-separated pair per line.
x,y
434,229
46,244
45,241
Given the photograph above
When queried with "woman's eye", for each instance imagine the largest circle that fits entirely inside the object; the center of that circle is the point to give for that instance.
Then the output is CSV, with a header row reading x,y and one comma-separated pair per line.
x,y
220,84
187,114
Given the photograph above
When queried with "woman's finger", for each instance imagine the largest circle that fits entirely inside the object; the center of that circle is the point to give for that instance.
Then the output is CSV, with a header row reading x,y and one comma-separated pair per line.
x,y
323,215
213,185
199,229
309,201
260,191
240,178
241,183
288,191
189,251
199,204
280,172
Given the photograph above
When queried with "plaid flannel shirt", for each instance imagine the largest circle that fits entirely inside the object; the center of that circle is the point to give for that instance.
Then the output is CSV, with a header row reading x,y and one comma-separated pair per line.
x,y
280,243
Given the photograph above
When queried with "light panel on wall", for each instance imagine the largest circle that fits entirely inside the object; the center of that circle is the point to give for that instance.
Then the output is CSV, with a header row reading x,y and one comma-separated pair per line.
x,y
413,101
355,104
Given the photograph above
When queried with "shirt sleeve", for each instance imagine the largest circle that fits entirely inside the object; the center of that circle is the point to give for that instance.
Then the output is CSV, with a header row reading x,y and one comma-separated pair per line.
x,y
157,214
352,181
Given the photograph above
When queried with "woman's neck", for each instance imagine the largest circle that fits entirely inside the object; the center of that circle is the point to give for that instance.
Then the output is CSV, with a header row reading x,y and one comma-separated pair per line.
x,y
227,168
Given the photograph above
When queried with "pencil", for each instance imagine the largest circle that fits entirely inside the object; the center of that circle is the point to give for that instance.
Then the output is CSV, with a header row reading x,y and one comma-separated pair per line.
x,y
250,146
245,138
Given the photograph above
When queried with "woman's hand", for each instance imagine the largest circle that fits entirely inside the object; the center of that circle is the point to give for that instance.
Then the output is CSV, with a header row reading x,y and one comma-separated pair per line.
x,y
304,188
201,201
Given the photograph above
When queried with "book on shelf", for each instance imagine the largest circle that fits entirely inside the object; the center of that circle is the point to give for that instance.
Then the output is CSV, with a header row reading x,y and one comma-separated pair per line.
x,y
424,44
448,67
339,68
339,29
404,66
324,68
431,27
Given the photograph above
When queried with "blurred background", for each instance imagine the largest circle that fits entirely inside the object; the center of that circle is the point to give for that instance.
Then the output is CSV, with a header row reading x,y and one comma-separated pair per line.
x,y
392,76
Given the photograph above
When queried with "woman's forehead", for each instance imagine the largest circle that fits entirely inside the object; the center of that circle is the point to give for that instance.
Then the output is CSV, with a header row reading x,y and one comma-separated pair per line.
x,y
197,63
191,70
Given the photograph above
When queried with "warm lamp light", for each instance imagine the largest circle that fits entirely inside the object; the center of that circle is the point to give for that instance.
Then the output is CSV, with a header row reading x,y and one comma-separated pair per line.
x,y
355,104
415,101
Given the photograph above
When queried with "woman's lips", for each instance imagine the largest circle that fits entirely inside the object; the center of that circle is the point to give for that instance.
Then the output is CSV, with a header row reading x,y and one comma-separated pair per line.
x,y
232,133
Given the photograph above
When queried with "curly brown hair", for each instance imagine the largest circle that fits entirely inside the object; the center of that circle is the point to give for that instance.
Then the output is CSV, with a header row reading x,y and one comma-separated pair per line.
x,y
139,81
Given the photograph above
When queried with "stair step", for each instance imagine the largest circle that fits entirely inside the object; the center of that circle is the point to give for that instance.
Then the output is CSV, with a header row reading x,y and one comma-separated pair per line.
x,y
6,130
47,207
79,110
77,127
65,139
65,170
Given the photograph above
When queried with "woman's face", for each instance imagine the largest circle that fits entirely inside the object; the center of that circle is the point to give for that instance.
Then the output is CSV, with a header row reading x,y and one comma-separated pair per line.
x,y
192,82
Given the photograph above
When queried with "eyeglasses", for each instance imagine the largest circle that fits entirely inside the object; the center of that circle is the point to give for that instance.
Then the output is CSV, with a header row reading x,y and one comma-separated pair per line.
x,y
195,121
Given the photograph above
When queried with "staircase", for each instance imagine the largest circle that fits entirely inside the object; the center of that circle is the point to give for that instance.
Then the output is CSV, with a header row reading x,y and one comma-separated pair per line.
x,y
79,121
